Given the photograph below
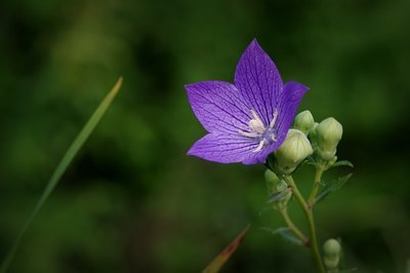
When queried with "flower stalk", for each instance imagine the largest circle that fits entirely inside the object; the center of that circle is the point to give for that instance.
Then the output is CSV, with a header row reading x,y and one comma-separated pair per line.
x,y
293,228
316,185
313,243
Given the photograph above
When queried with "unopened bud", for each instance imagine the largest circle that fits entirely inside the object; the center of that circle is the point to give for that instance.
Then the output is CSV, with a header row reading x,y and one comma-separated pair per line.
x,y
332,248
293,151
313,132
304,121
328,133
331,263
331,254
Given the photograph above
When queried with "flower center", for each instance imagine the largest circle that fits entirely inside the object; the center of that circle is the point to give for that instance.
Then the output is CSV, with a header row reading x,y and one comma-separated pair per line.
x,y
257,130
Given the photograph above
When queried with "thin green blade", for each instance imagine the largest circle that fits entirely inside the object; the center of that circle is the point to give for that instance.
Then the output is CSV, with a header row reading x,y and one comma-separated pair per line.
x,y
224,256
62,167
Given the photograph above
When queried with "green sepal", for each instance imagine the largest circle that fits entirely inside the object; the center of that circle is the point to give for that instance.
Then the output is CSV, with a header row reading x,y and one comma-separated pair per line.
x,y
279,196
342,163
286,234
310,160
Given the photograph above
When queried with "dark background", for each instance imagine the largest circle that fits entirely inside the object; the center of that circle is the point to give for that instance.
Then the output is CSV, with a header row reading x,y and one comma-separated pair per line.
x,y
133,201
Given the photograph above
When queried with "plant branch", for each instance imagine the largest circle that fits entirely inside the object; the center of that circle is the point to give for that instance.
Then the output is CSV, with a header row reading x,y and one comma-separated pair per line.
x,y
316,186
292,227
311,221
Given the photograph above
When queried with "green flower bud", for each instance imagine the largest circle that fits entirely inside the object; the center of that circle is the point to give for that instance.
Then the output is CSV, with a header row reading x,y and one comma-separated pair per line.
x,y
304,121
313,133
328,134
332,248
331,254
331,263
293,151
313,136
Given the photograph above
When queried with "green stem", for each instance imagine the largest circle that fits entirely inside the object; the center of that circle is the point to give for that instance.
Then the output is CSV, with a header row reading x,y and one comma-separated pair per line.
x,y
311,221
316,186
314,241
292,227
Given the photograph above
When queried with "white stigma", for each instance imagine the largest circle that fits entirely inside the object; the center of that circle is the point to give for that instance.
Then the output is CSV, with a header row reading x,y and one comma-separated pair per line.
x,y
258,130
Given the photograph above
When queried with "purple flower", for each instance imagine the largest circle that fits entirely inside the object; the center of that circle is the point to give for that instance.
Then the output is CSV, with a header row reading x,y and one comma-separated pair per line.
x,y
247,120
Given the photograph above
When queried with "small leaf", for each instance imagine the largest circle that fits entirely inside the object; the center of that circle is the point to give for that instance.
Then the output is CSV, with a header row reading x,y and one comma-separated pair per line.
x,y
286,234
224,256
332,187
343,163
278,196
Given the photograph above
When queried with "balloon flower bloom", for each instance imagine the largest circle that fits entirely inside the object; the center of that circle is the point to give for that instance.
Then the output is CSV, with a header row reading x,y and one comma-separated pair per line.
x,y
248,119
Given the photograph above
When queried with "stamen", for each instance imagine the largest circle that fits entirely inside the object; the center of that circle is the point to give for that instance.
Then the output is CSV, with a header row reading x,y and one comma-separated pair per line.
x,y
254,115
256,123
256,126
249,134
258,131
260,146
273,121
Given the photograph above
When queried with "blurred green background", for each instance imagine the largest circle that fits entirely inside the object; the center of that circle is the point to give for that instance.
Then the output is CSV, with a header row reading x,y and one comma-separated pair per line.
x,y
133,201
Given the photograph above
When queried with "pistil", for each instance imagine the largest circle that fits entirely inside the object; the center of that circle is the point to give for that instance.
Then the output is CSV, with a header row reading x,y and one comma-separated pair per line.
x,y
257,130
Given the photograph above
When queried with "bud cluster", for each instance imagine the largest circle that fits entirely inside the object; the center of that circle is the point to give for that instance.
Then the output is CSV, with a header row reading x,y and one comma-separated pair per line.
x,y
308,138
314,143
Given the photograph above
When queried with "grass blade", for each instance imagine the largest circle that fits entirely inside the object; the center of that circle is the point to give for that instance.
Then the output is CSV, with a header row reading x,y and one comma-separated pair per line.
x,y
61,168
224,256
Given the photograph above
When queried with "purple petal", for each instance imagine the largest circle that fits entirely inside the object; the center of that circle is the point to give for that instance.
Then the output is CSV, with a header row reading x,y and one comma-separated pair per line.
x,y
223,148
259,81
289,101
218,106
260,157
